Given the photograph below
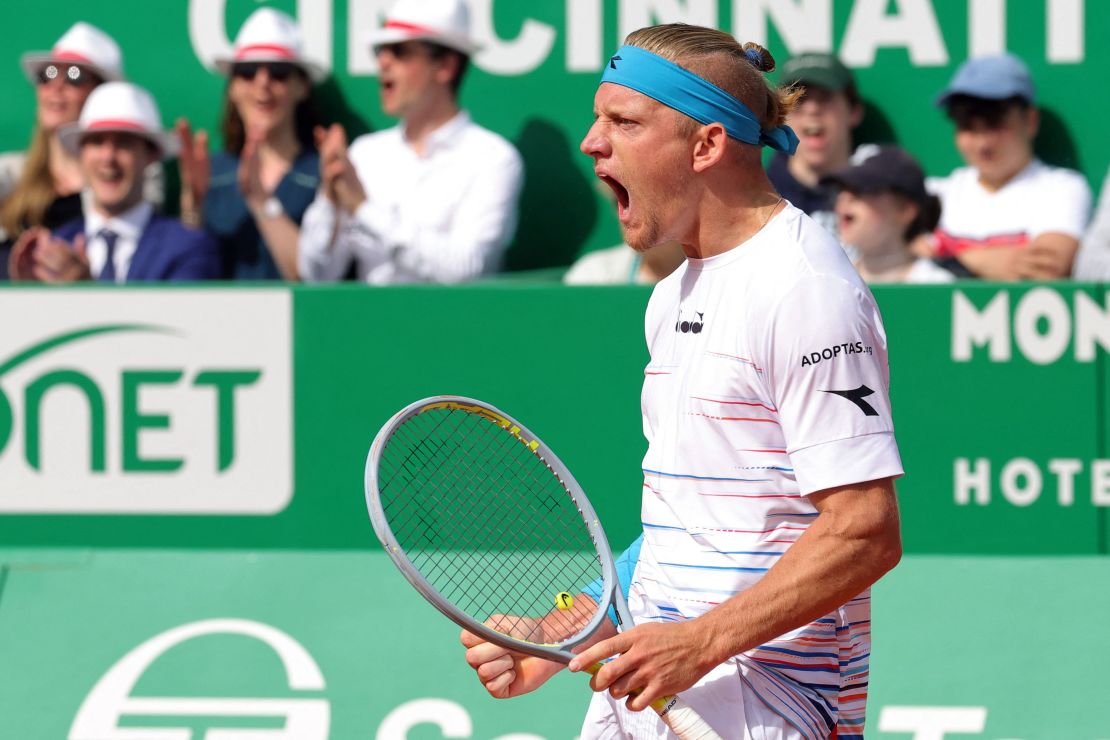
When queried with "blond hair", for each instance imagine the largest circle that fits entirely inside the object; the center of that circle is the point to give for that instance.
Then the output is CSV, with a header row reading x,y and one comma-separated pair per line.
x,y
32,195
719,58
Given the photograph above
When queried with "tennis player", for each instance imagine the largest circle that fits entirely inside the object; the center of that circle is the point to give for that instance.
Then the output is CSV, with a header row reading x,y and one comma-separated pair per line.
x,y
768,507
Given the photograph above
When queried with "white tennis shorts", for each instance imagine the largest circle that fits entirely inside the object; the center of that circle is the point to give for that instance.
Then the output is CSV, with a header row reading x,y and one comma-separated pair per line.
x,y
719,697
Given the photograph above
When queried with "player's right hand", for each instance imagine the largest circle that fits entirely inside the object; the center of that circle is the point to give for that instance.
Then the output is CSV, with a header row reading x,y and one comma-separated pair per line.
x,y
506,673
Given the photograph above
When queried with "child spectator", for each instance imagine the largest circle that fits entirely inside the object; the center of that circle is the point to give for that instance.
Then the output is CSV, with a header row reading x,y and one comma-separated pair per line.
x,y
824,118
1006,215
881,208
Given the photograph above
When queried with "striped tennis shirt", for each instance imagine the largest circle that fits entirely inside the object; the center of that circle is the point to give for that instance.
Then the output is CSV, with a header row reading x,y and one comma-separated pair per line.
x,y
767,381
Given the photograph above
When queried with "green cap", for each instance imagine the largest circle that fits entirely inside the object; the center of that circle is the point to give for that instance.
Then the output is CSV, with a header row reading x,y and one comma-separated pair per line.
x,y
822,70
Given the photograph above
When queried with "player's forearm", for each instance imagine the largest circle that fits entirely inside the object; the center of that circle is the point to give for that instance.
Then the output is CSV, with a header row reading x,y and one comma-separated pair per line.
x,y
836,559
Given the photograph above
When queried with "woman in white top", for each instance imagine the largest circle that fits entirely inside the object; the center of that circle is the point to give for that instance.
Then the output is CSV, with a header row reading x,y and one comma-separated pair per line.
x,y
881,209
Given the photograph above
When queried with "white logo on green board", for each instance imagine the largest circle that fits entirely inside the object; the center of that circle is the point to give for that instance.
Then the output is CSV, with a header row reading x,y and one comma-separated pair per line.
x,y
1040,325
187,411
528,43
112,712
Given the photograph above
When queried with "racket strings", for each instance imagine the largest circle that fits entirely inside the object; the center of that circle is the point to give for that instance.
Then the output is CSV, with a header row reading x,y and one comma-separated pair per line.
x,y
487,522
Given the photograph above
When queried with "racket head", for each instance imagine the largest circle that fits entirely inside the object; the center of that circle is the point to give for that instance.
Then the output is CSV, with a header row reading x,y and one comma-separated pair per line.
x,y
422,472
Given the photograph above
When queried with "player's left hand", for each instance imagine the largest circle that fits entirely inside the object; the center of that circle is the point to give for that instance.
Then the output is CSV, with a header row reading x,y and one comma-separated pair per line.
x,y
654,659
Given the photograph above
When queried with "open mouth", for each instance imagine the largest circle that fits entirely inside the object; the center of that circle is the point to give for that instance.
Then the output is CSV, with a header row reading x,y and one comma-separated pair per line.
x,y
620,192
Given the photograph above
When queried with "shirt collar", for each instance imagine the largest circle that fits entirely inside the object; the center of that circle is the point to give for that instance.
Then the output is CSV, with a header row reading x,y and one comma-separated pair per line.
x,y
448,134
129,224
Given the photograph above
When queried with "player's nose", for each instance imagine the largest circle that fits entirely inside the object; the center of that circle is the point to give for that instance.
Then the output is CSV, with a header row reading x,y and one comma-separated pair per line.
x,y
595,143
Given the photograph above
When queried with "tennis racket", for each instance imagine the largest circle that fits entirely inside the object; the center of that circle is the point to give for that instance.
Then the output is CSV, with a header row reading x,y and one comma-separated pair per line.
x,y
486,522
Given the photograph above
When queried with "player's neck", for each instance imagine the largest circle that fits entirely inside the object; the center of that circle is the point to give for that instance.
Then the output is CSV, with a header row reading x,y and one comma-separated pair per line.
x,y
728,217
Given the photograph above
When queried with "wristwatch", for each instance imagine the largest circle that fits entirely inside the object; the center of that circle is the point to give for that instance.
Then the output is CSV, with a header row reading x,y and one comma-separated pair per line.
x,y
272,208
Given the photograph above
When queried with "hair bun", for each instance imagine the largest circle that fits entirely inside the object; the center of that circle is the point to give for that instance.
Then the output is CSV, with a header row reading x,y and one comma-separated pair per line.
x,y
759,57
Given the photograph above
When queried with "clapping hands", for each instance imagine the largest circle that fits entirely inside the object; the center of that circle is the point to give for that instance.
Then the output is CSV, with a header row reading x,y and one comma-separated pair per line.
x,y
340,181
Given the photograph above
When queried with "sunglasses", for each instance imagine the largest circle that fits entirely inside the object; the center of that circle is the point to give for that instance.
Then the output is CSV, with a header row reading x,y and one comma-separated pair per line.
x,y
408,50
71,75
277,71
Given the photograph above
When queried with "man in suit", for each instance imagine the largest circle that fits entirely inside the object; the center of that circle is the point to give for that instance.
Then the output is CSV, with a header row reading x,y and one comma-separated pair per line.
x,y
120,238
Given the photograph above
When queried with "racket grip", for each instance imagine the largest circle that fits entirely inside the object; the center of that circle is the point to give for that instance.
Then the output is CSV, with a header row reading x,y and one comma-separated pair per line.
x,y
683,720
676,714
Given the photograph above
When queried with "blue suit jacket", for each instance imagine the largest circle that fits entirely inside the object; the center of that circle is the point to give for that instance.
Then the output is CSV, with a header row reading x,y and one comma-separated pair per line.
x,y
167,250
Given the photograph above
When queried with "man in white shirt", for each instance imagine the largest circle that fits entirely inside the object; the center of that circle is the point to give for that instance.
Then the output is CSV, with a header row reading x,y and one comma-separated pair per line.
x,y
768,505
1006,215
433,199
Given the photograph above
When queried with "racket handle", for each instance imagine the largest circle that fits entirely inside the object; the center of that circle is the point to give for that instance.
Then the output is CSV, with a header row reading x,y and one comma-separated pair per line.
x,y
683,720
676,714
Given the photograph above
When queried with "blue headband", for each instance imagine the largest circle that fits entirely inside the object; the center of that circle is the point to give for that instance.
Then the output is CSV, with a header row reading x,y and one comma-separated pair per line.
x,y
687,93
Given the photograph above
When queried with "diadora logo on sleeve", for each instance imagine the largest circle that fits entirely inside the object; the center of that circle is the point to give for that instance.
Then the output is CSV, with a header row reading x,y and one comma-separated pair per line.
x,y
837,350
157,402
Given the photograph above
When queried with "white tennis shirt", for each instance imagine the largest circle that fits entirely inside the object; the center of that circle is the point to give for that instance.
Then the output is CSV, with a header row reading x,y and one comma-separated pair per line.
x,y
768,381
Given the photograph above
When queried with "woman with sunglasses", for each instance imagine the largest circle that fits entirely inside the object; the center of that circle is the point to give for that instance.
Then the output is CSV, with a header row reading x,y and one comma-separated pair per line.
x,y
252,195
42,186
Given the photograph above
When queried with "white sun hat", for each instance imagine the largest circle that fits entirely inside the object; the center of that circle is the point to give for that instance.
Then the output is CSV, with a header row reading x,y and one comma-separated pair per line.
x,y
82,44
123,108
443,22
270,36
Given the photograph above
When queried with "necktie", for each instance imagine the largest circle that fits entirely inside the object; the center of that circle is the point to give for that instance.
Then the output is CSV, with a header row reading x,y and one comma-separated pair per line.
x,y
108,273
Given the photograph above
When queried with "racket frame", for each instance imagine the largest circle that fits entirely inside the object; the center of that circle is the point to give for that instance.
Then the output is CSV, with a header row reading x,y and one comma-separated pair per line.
x,y
610,592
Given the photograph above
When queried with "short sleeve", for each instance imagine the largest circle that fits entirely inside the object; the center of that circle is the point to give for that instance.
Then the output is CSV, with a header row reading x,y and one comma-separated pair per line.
x,y
824,351
1064,207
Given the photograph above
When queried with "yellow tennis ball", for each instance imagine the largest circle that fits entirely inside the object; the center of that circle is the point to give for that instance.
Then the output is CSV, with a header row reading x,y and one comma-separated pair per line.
x,y
563,600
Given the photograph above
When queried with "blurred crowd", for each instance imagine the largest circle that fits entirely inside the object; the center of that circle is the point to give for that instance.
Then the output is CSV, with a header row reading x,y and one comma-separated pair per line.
x,y
434,199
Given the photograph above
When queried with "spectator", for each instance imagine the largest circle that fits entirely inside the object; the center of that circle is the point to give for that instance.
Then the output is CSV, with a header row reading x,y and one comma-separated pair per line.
x,y
1093,260
1006,215
881,208
120,238
433,199
253,195
624,265
42,187
828,112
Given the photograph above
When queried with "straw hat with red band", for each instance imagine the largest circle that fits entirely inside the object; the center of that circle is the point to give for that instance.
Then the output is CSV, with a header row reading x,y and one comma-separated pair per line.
x,y
443,22
270,36
120,107
83,45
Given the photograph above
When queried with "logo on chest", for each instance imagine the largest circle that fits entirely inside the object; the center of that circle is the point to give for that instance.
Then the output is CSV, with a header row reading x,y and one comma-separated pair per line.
x,y
690,324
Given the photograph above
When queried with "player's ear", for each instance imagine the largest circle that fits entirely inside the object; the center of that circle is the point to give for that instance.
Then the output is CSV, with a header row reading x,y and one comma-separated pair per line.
x,y
709,144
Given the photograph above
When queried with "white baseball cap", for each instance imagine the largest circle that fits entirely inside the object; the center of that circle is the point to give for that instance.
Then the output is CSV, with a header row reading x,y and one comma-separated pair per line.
x,y
271,36
443,22
82,44
124,108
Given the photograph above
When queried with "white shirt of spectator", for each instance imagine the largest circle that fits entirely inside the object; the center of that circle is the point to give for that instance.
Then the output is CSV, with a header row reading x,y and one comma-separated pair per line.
x,y
1093,260
924,270
1038,200
128,225
443,217
767,381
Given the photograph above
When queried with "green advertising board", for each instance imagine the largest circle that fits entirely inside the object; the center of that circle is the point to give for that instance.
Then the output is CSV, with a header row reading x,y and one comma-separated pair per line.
x,y
173,431
534,79
319,645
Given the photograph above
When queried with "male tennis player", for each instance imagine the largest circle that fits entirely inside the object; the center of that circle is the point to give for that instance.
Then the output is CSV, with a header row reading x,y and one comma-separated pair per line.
x,y
768,507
